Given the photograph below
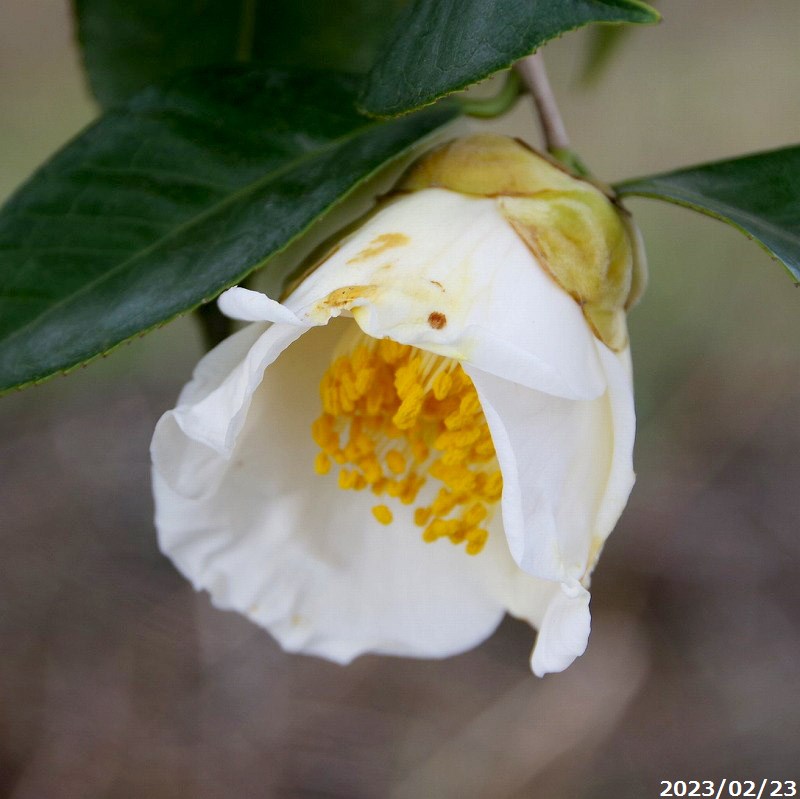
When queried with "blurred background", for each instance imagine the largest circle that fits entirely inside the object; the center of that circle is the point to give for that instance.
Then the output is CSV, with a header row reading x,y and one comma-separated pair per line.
x,y
117,680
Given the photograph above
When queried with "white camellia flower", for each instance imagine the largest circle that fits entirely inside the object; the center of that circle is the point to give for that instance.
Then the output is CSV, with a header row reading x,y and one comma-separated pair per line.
x,y
434,427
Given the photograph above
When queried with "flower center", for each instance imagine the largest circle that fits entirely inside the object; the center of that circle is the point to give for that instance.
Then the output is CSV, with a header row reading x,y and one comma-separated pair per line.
x,y
393,416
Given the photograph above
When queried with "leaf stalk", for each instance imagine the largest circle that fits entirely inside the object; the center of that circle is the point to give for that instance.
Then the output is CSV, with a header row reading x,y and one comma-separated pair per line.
x,y
489,107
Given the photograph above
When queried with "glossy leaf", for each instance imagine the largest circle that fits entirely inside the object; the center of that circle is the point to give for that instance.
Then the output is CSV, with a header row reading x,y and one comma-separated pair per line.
x,y
168,200
758,194
128,45
442,46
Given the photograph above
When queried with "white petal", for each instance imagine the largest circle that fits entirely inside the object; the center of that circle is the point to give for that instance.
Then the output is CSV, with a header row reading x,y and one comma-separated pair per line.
x,y
621,477
213,407
567,469
560,611
564,630
447,273
299,556
217,418
253,306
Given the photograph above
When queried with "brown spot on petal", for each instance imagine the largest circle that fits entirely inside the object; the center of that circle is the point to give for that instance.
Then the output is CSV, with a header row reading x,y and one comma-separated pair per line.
x,y
386,241
437,283
437,320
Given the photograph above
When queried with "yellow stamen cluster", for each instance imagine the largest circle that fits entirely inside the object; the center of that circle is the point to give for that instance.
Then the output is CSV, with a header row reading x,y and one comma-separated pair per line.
x,y
394,415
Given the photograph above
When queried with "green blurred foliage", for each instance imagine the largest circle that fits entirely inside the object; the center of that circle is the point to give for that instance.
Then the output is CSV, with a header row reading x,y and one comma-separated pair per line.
x,y
130,44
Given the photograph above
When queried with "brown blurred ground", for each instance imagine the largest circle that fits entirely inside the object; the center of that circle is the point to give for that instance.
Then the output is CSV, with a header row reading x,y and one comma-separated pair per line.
x,y
116,680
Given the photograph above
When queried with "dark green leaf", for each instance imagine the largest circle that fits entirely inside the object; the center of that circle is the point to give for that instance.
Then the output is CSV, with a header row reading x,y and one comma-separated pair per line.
x,y
442,46
130,44
165,202
344,34
758,194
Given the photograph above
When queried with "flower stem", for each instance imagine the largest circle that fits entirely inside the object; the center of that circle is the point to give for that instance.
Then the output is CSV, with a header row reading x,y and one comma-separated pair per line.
x,y
498,104
534,77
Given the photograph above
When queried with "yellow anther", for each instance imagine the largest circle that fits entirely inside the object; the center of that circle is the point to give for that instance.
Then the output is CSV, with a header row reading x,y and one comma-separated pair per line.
x,y
441,528
364,444
435,530
346,479
474,534
421,516
361,359
382,514
457,438
330,396
394,488
441,471
351,452
476,540
465,483
411,486
493,489
409,409
345,402
382,391
407,378
420,451
470,404
390,351
475,515
371,470
445,502
456,420
457,532
484,447
395,461
460,381
322,463
374,403
364,380
455,456
324,434
442,384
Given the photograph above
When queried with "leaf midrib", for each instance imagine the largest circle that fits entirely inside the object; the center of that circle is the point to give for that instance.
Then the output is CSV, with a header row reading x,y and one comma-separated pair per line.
x,y
189,223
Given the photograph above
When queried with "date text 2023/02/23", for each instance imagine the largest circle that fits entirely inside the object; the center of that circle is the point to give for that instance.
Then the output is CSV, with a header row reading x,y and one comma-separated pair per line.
x,y
757,789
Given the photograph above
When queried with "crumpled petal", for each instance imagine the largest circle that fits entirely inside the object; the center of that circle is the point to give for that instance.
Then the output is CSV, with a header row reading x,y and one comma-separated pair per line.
x,y
291,550
566,464
564,630
253,306
438,252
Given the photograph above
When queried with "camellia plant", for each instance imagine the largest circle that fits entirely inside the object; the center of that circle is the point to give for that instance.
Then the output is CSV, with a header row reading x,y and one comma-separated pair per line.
x,y
428,420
